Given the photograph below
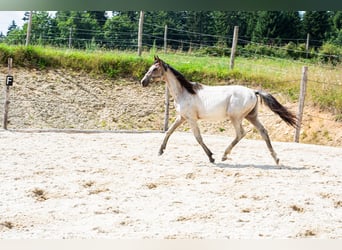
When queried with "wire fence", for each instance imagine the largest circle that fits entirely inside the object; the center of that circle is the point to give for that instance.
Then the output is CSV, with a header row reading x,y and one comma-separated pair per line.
x,y
127,38
46,108
92,111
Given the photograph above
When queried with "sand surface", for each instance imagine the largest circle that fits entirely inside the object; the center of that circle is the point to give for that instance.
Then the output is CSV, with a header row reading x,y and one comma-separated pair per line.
x,y
114,185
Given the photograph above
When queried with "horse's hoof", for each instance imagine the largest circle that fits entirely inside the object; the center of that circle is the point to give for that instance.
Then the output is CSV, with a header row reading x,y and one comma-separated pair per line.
x,y
226,157
212,160
160,152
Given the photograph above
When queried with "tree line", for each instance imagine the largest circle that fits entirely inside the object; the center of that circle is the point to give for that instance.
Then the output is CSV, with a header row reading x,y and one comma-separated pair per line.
x,y
186,29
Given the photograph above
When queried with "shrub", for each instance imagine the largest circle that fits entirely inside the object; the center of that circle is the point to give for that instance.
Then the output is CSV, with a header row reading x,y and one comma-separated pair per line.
x,y
330,53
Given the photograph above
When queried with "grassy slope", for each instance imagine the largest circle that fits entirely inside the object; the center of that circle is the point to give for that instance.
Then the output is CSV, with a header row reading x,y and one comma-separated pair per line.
x,y
276,75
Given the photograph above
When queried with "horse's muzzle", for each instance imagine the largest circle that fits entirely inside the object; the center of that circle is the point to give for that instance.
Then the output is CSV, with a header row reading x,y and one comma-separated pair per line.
x,y
145,81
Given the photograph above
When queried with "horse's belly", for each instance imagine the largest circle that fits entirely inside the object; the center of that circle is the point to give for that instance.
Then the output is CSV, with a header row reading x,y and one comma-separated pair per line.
x,y
213,112
213,117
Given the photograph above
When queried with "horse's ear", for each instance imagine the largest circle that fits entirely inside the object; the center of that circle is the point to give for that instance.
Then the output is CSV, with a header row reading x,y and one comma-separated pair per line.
x,y
158,60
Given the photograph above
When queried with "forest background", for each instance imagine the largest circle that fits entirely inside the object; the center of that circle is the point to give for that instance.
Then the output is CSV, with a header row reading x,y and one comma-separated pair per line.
x,y
208,32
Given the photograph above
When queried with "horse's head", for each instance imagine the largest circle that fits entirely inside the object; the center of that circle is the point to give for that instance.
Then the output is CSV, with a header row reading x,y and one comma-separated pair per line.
x,y
155,72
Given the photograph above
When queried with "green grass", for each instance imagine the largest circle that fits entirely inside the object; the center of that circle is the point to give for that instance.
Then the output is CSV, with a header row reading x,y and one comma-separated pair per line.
x,y
275,75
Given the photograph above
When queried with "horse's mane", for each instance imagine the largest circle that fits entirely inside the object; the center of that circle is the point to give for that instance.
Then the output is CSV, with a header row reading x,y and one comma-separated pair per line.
x,y
191,87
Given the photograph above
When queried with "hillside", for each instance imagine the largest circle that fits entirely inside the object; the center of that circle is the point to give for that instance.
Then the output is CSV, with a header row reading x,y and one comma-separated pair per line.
x,y
42,99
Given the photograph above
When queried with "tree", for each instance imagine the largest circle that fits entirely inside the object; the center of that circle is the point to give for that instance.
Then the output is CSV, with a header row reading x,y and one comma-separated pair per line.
x,y
15,35
337,28
317,24
120,32
199,23
223,25
337,20
176,22
293,25
271,26
13,26
2,37
43,29
81,26
224,22
99,16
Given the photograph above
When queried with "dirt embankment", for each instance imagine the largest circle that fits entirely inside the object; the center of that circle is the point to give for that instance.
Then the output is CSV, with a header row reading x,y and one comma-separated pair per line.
x,y
65,99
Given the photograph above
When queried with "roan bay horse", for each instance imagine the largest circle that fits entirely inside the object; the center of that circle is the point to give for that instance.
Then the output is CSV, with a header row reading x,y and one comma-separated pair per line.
x,y
194,101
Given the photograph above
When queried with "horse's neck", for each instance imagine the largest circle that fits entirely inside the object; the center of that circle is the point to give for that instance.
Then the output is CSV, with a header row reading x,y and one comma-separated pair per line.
x,y
174,85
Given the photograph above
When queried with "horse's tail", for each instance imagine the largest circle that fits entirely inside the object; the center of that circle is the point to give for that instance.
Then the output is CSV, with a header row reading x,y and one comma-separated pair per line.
x,y
277,108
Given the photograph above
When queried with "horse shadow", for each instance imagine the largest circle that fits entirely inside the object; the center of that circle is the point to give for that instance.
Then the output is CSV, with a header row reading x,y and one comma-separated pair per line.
x,y
263,167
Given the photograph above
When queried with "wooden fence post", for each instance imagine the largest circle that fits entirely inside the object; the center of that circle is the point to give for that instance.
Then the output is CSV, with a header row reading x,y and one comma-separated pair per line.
x,y
303,83
307,45
28,31
70,37
232,53
7,102
140,32
165,39
167,105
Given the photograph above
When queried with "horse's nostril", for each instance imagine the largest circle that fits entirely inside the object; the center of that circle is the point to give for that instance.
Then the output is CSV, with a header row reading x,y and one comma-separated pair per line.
x,y
144,83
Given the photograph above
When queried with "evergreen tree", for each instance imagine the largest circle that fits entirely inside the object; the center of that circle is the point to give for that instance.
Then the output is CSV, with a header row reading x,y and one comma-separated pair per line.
x,y
223,26
81,26
198,23
120,32
2,37
337,20
224,22
176,21
317,24
99,16
13,26
337,27
271,26
293,26
154,28
15,35
207,28
43,30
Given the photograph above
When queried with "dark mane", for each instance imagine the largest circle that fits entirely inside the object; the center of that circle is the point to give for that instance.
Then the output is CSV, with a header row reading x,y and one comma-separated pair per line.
x,y
191,87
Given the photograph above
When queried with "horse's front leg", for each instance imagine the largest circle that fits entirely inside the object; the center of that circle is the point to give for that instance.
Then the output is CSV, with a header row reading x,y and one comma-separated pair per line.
x,y
179,120
197,134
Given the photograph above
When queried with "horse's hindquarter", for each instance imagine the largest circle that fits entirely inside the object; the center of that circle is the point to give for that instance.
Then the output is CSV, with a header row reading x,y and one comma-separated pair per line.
x,y
222,102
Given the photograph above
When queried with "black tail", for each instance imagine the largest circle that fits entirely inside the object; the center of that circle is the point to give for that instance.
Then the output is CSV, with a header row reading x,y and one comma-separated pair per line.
x,y
277,108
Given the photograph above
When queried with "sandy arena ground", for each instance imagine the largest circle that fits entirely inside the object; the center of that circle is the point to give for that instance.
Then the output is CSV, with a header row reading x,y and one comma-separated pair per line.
x,y
114,185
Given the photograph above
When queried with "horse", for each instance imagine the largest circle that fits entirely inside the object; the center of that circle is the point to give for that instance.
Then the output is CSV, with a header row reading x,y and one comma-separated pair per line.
x,y
194,101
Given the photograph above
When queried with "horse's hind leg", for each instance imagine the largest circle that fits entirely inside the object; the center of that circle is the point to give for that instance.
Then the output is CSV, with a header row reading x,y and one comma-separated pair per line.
x,y
179,120
240,133
263,132
197,134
